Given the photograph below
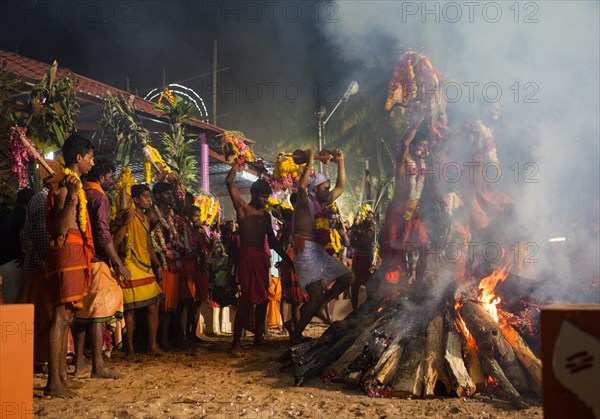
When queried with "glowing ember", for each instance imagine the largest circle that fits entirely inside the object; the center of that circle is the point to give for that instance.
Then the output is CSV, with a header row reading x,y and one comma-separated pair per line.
x,y
487,286
379,309
491,384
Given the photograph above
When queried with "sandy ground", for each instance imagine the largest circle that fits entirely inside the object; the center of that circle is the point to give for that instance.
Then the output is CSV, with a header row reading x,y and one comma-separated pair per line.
x,y
209,383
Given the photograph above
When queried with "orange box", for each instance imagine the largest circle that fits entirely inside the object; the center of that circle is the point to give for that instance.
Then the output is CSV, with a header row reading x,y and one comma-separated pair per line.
x,y
16,361
559,401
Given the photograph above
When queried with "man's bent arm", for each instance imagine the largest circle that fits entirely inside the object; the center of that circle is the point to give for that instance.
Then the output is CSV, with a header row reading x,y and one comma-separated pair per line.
x,y
234,193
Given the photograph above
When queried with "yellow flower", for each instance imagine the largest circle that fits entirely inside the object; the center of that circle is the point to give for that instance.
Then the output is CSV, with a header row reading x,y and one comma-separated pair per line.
x,y
81,205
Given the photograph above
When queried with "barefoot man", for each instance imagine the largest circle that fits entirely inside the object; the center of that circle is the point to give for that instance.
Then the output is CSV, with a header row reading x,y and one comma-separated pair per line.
x,y
315,267
253,264
402,230
143,290
103,303
69,256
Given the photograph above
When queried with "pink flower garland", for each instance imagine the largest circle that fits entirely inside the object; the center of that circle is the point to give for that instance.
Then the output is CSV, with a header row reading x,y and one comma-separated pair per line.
x,y
20,154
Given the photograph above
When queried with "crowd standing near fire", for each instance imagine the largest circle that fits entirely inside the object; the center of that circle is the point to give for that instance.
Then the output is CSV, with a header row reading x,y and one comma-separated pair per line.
x,y
102,256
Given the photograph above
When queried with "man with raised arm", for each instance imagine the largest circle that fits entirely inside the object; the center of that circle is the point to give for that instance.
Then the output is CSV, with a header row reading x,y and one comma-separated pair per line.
x,y
402,230
315,267
253,264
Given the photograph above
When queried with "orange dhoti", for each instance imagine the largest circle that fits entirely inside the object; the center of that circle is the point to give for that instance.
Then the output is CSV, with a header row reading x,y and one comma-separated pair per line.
x,y
273,308
170,285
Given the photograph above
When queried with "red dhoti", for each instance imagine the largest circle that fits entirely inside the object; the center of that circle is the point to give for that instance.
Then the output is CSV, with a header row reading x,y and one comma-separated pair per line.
x,y
187,281
201,283
67,268
253,274
400,236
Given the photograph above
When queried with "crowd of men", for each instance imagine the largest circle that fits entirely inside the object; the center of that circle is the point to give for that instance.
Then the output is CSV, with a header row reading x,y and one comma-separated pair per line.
x,y
93,272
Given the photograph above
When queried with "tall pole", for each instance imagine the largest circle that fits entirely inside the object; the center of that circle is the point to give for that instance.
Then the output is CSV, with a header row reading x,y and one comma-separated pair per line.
x,y
204,163
320,112
214,84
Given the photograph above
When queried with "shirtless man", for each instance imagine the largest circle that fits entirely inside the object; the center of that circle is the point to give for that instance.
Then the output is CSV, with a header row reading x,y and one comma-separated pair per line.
x,y
68,258
315,267
253,265
402,230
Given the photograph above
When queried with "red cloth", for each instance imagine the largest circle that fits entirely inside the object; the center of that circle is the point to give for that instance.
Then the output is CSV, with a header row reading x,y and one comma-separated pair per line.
x,y
292,293
201,282
169,285
361,266
67,267
399,237
37,294
253,274
187,280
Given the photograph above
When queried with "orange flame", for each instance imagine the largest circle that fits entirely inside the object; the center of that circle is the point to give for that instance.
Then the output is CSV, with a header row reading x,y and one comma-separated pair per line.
x,y
489,300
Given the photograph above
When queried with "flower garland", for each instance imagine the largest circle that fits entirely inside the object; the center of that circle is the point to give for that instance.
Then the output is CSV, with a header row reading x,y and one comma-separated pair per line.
x,y
363,212
123,186
452,202
168,95
233,145
416,179
82,204
158,239
335,241
210,207
415,79
286,173
21,154
323,230
153,158
279,209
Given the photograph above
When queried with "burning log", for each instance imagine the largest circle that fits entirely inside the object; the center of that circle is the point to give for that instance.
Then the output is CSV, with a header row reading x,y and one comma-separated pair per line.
x,y
353,351
488,336
318,362
434,369
382,373
409,378
462,383
530,362
492,368
473,365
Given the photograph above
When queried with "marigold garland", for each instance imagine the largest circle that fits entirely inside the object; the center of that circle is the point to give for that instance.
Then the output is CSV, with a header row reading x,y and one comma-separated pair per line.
x,y
123,186
82,204
153,157
335,241
210,208
364,211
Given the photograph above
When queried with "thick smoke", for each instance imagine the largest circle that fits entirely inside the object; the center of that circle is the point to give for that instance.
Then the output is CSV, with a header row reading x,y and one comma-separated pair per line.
x,y
544,59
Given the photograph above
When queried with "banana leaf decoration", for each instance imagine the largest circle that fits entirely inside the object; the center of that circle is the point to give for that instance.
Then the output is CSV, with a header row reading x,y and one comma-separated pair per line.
x,y
52,110
120,122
